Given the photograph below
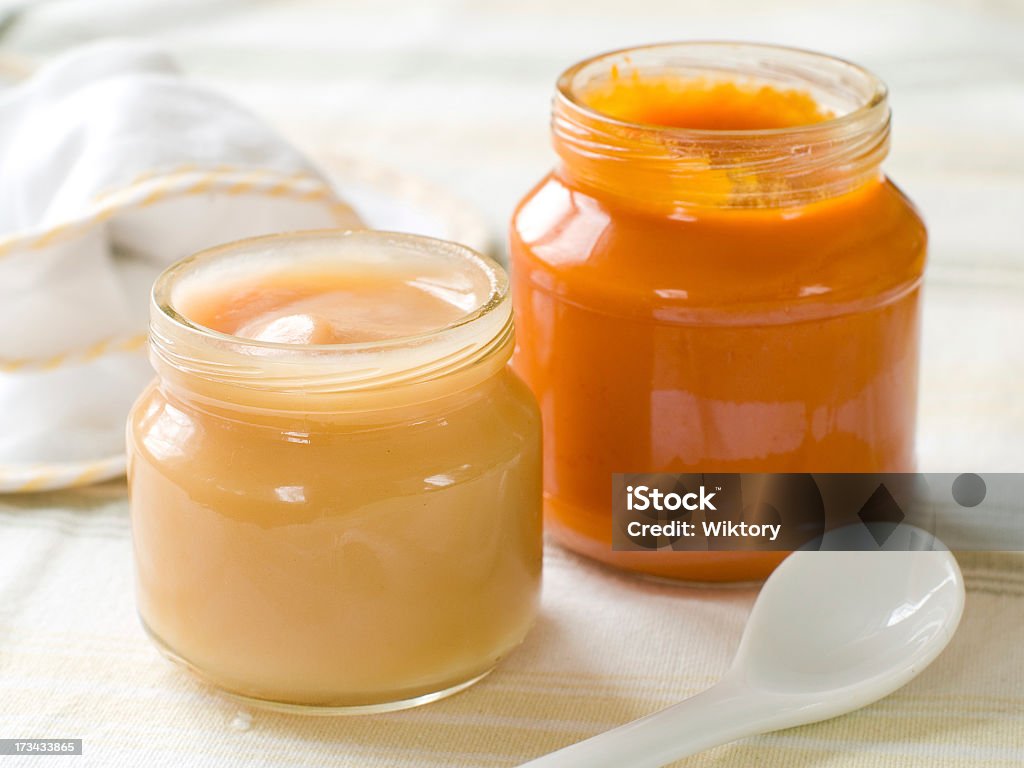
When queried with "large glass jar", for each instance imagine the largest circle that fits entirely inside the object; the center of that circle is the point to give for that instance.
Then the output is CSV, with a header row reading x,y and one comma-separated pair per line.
x,y
717,277
354,527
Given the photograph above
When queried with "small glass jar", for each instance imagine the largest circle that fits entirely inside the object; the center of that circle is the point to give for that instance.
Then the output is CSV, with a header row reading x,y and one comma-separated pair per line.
x,y
735,290
348,527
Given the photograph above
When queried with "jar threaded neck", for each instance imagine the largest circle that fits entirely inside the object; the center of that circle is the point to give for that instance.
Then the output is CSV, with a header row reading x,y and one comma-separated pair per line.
x,y
232,368
667,167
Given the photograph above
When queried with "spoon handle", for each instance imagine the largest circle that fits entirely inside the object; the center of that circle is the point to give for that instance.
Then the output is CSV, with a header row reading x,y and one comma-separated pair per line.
x,y
721,714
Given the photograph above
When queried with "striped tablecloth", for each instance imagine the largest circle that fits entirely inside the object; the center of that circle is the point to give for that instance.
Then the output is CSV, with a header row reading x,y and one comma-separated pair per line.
x,y
458,93
74,663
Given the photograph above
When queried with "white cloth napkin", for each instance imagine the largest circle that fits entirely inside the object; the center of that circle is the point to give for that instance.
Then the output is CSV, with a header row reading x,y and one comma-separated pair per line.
x,y
112,166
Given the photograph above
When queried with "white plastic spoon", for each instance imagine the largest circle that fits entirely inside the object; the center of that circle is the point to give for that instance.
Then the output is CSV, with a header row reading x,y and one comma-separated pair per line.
x,y
830,632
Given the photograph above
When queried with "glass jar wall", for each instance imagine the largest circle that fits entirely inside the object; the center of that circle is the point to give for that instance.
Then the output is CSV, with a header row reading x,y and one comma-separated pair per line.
x,y
716,277
349,526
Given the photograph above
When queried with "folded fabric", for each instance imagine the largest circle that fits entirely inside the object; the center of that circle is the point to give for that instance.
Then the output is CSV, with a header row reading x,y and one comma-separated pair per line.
x,y
112,166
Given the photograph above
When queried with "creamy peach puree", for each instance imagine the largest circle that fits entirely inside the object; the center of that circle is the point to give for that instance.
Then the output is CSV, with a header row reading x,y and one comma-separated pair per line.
x,y
328,304
336,477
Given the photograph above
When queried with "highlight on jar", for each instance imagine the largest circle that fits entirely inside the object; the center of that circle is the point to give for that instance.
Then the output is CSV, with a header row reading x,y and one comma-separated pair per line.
x,y
335,478
717,276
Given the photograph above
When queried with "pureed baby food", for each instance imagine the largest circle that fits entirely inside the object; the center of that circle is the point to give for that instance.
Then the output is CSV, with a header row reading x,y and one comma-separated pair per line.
x,y
716,277
335,478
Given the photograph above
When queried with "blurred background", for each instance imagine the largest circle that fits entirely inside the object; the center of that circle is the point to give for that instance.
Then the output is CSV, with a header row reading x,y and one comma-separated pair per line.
x,y
457,92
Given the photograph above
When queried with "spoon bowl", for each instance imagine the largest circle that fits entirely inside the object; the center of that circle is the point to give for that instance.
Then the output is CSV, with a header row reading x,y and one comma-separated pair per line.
x,y
831,632
853,625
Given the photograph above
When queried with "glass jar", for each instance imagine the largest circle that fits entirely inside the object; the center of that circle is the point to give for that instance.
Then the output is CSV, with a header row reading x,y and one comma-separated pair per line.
x,y
732,286
352,527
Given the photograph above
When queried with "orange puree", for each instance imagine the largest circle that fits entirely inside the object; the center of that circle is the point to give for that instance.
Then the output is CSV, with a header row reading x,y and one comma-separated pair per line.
x,y
704,303
703,105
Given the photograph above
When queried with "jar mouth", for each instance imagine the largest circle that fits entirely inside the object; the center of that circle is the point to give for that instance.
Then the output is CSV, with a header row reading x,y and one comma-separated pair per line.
x,y
830,143
166,283
226,366
763,63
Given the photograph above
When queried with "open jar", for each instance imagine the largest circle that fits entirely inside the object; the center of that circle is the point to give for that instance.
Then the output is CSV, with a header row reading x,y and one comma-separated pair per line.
x,y
716,277
348,526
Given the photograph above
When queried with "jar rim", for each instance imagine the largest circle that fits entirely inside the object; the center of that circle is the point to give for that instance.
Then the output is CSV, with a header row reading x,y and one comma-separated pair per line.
x,y
665,169
162,301
230,368
879,92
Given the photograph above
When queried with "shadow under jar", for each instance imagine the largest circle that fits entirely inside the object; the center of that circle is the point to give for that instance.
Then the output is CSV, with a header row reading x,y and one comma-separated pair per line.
x,y
350,526
716,277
